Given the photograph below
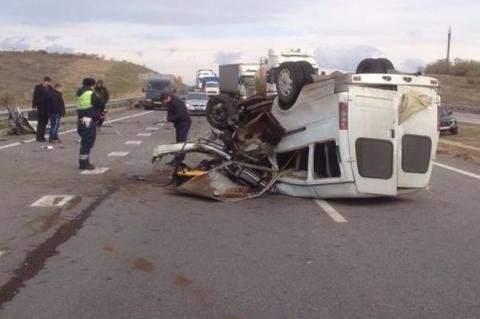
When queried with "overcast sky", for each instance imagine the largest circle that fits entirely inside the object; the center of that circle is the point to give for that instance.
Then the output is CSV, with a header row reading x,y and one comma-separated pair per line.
x,y
182,36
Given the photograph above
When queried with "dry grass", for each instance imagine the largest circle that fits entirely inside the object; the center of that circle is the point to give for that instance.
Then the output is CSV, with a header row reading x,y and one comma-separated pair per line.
x,y
459,90
468,135
21,71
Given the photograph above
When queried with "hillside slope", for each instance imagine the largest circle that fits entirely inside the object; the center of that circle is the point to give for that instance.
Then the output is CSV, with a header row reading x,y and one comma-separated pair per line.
x,y
21,71
459,90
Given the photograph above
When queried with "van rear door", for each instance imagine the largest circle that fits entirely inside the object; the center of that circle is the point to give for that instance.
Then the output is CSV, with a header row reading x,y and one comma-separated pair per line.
x,y
372,127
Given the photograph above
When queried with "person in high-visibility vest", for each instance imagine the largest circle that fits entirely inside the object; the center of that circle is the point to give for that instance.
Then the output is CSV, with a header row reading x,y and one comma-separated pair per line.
x,y
90,108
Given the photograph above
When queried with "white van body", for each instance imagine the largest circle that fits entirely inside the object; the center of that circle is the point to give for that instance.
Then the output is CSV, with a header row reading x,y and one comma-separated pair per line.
x,y
373,153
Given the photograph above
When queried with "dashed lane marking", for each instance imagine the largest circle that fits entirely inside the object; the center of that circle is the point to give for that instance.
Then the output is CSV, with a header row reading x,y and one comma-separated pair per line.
x,y
332,212
74,130
2,253
118,154
133,142
52,201
96,171
456,170
152,129
144,134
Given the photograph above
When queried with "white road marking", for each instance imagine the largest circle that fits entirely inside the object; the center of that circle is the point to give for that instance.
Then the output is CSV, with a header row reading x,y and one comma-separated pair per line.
x,y
332,212
74,130
2,252
52,201
133,142
456,170
118,154
144,134
152,129
9,145
96,171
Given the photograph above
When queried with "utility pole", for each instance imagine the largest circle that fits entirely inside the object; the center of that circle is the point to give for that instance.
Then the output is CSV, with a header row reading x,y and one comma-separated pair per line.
x,y
448,48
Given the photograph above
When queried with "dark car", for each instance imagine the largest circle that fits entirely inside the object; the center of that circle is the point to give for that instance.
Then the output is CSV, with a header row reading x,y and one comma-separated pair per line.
x,y
447,123
154,90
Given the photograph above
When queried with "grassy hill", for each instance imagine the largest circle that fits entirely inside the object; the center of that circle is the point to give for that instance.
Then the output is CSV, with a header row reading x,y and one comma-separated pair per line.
x,y
21,71
459,90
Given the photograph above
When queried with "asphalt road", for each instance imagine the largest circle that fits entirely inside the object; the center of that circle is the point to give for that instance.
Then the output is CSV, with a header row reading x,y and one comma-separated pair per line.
x,y
467,117
124,246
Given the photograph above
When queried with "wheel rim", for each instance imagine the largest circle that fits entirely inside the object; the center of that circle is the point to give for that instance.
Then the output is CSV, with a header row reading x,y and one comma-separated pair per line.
x,y
285,82
219,112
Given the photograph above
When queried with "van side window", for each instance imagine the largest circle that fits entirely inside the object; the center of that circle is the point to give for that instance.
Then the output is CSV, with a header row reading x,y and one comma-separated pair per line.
x,y
296,162
326,160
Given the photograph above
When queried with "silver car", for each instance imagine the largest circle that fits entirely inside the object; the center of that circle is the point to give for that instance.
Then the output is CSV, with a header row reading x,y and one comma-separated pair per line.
x,y
197,102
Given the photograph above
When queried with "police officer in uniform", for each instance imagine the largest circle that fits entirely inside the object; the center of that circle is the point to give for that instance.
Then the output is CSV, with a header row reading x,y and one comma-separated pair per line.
x,y
89,110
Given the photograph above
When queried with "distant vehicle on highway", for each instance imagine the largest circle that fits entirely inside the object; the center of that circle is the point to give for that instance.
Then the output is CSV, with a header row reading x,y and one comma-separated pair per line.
x,y
238,79
154,90
212,88
447,122
196,102
203,75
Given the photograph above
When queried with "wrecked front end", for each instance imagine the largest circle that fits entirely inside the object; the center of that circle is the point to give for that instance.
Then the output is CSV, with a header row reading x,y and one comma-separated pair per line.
x,y
235,162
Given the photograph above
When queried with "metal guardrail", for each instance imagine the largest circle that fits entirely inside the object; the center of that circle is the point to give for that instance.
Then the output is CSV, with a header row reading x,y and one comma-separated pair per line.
x,y
71,108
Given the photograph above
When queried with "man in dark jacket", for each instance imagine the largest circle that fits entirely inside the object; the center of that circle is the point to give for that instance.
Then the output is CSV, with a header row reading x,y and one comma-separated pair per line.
x,y
102,91
90,108
177,114
56,110
40,102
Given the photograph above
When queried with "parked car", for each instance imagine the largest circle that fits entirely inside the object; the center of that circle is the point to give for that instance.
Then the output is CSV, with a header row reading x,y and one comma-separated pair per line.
x,y
196,102
154,90
447,122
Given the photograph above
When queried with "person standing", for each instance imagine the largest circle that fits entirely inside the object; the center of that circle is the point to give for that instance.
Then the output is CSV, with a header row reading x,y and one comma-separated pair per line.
x,y
56,110
90,108
102,91
177,113
40,103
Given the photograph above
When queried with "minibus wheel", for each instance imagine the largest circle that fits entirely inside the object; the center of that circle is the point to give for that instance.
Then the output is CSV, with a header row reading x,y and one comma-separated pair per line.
x,y
220,110
290,80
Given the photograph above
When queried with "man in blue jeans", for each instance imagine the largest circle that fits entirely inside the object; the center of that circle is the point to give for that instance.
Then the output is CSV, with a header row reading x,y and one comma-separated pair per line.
x,y
56,110
90,108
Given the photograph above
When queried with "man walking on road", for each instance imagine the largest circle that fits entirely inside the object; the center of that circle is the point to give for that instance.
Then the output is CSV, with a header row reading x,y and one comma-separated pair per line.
x,y
56,110
40,102
178,115
90,108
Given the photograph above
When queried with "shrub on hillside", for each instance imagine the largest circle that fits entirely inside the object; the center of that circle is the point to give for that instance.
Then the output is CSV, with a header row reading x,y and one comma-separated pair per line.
x,y
459,67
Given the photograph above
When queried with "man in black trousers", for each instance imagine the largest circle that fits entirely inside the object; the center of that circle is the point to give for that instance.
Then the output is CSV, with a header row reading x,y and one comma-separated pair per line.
x,y
40,102
178,115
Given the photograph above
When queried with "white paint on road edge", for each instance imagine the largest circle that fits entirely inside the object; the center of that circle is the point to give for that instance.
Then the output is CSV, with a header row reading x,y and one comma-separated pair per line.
x,y
456,170
118,154
52,201
144,134
332,212
74,130
152,129
96,171
3,252
133,142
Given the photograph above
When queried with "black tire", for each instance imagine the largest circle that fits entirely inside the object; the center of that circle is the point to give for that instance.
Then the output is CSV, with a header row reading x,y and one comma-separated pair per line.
x,y
378,66
454,131
308,70
220,111
387,64
289,82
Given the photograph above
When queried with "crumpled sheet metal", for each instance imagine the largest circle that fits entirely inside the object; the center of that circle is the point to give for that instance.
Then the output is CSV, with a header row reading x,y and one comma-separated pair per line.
x,y
214,185
412,103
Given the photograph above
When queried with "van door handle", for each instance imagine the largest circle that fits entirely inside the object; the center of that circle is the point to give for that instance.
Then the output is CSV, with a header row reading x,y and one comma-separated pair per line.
x,y
392,133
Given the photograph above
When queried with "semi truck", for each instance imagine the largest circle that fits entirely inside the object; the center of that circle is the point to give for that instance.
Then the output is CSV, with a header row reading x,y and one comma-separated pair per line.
x,y
238,79
269,65
202,75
